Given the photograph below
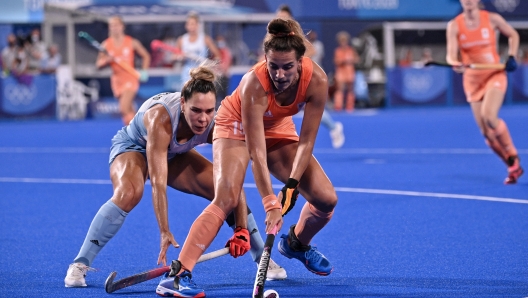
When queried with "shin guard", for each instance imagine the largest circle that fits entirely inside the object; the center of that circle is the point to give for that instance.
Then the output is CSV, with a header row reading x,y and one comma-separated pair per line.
x,y
311,222
502,134
105,224
202,233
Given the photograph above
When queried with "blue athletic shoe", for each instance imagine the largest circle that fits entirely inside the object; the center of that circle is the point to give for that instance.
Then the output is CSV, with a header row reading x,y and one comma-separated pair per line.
x,y
312,259
179,286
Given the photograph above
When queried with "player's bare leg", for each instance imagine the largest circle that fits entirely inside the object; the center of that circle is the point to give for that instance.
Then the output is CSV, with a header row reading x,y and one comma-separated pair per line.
x,y
321,199
126,105
193,173
350,98
497,133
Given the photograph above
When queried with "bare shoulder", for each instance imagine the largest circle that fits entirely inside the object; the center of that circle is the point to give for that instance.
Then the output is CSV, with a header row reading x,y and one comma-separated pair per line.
x,y
452,25
319,76
496,18
250,84
156,115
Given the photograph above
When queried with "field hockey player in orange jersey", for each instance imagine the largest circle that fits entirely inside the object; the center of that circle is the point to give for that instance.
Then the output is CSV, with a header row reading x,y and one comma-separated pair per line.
x,y
472,34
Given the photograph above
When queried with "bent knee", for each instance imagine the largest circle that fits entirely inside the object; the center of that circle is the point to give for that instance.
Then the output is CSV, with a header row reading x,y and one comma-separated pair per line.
x,y
326,203
127,197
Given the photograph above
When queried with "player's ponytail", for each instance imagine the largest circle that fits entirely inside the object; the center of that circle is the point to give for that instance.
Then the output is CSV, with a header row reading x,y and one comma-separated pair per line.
x,y
203,80
285,35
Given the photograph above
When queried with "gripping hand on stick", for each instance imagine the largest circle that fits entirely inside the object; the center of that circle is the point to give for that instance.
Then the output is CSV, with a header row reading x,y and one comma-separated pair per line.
x,y
288,195
239,243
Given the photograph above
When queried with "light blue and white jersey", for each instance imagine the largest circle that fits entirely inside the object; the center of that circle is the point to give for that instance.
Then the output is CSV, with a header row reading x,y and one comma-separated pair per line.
x,y
195,52
136,131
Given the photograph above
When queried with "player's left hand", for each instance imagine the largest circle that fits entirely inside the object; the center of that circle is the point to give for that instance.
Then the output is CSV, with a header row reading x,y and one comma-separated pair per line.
x,y
273,218
511,64
143,76
166,239
288,195
239,243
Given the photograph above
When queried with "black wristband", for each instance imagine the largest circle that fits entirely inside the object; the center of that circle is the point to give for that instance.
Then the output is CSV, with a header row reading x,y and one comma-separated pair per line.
x,y
292,183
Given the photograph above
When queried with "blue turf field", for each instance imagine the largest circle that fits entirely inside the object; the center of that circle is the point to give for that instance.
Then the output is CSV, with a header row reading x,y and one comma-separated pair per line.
x,y
422,212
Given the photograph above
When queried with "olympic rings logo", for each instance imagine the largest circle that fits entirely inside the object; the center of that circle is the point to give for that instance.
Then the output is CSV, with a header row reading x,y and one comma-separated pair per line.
x,y
418,83
19,94
506,5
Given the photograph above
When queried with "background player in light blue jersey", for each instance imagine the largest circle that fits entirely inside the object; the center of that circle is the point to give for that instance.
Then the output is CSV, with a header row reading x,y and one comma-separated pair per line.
x,y
159,144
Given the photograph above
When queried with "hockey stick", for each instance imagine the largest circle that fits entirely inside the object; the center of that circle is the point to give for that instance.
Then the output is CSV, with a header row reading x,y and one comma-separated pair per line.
x,y
96,45
157,44
260,279
111,286
497,66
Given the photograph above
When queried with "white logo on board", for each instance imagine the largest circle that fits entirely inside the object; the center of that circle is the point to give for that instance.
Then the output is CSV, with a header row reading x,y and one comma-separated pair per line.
x,y
506,5
418,83
20,94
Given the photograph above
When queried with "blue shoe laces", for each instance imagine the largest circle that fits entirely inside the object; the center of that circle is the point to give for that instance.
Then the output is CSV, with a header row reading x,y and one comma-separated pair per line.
x,y
313,255
187,279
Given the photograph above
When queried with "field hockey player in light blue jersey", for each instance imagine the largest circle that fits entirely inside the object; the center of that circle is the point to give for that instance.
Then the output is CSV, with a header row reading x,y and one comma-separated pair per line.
x,y
159,144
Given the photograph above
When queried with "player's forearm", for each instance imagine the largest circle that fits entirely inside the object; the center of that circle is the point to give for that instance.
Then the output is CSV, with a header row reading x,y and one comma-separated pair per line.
x,y
513,44
302,158
145,63
159,202
262,176
241,211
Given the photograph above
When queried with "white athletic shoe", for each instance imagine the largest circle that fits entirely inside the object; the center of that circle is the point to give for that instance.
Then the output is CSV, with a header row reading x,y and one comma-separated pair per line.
x,y
76,274
338,138
275,272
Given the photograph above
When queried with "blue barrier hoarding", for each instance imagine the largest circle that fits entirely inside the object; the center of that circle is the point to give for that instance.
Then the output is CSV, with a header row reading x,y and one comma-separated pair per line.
x,y
518,83
437,85
28,96
418,86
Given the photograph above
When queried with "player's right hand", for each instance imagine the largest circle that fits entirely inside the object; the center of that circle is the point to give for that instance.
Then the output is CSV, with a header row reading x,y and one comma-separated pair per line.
x,y
239,243
166,239
510,64
459,67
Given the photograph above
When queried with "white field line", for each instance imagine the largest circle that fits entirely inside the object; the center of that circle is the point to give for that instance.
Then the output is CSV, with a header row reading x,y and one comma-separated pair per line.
x,y
252,185
106,150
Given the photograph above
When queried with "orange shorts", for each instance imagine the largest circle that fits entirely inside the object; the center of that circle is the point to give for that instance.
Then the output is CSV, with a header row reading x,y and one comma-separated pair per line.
x,y
229,127
478,82
120,83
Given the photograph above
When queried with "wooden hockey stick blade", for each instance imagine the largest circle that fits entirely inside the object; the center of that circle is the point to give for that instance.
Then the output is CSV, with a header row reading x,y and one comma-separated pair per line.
x,y
497,66
492,66
260,279
111,286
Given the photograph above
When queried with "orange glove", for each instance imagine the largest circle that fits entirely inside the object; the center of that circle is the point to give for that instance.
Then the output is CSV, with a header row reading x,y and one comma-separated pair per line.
x,y
239,243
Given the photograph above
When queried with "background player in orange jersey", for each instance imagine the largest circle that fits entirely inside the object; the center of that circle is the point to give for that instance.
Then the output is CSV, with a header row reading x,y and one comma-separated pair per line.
x,y
472,33
344,59
121,47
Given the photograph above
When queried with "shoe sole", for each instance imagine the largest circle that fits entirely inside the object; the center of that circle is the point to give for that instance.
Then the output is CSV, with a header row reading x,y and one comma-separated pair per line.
x,y
516,174
164,292
79,286
306,266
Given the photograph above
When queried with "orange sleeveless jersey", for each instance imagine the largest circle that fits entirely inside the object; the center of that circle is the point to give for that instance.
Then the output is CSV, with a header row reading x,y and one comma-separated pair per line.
x,y
344,72
121,79
278,123
479,46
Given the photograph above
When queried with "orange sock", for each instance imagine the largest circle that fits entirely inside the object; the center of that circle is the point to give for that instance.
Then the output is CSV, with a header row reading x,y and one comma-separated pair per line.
x,y
502,134
338,100
311,222
497,148
202,233
351,100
